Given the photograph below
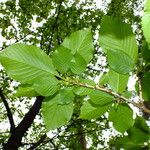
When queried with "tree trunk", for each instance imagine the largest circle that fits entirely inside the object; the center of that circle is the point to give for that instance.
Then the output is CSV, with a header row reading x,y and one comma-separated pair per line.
x,y
14,142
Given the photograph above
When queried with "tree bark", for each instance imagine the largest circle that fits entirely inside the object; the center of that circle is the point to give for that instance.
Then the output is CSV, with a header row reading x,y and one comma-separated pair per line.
x,y
14,141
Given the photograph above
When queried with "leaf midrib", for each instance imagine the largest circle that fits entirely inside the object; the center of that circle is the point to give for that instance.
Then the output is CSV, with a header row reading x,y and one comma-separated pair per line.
x,y
39,68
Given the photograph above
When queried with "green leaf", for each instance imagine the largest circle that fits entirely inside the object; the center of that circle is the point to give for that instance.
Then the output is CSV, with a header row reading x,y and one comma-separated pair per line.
x,y
81,42
66,96
146,86
78,64
122,117
46,86
83,91
90,112
104,79
127,94
146,52
146,22
62,59
118,82
26,63
127,144
120,61
56,115
116,35
137,135
98,98
140,132
25,90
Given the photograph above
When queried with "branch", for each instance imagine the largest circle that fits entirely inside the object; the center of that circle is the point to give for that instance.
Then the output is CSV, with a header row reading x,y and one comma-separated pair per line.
x,y
42,141
17,40
53,28
92,69
9,114
140,105
35,145
16,137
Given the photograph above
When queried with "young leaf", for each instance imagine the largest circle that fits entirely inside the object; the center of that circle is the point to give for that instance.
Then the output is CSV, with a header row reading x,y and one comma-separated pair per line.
x,y
90,112
56,115
26,63
78,64
116,35
122,117
146,22
62,59
25,90
81,42
118,82
120,61
46,86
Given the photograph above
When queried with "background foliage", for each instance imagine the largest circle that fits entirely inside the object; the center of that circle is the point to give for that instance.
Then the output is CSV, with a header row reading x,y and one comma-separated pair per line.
x,y
47,24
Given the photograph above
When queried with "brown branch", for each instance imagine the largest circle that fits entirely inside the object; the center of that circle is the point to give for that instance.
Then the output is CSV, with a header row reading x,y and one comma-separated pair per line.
x,y
9,114
14,141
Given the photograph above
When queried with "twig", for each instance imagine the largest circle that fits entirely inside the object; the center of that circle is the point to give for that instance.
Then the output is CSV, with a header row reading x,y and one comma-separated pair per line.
x,y
9,114
116,95
18,40
35,145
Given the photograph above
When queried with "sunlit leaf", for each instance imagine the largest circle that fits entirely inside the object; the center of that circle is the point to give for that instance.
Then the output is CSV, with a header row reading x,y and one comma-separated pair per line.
x,y
66,96
146,22
83,91
62,59
98,98
46,86
118,82
117,35
89,112
25,91
120,61
26,63
104,79
78,64
81,42
55,114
